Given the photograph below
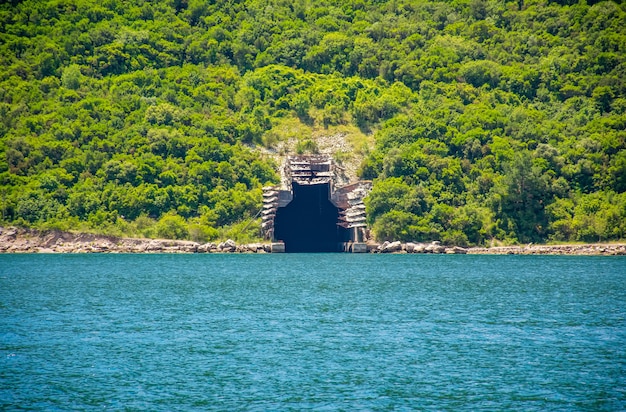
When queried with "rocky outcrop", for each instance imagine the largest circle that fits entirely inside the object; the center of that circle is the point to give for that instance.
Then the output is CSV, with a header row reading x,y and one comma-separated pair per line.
x,y
602,249
20,240
410,247
436,247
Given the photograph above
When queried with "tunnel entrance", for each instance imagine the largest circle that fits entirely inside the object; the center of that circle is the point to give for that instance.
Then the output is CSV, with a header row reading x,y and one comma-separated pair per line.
x,y
309,222
309,213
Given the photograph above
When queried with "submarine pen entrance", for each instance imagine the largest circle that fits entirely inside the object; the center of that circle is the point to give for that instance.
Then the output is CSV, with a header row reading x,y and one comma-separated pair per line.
x,y
309,222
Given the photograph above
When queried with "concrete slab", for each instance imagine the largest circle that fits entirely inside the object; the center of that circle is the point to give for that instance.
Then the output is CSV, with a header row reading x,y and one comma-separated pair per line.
x,y
278,248
359,248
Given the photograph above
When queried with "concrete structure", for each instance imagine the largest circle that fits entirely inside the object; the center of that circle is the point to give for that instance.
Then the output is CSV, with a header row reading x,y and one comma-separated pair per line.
x,y
308,214
278,248
359,248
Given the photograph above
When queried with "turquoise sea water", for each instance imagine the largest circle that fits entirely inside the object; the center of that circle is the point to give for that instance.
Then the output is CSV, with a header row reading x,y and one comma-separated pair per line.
x,y
312,332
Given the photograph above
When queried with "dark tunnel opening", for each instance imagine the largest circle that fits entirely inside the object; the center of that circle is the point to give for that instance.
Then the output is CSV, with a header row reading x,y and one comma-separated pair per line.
x,y
309,222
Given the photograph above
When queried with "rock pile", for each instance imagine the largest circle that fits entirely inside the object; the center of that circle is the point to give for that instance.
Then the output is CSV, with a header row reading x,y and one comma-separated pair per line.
x,y
20,240
433,247
599,249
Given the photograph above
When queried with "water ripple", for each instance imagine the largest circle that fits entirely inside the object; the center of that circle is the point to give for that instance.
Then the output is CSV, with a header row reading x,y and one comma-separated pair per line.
x,y
321,332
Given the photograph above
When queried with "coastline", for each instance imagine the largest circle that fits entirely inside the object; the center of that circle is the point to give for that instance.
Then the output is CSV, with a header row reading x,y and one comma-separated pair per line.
x,y
23,240
587,249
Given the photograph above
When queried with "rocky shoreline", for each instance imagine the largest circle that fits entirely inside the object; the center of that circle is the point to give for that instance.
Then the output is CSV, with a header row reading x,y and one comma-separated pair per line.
x,y
592,249
21,240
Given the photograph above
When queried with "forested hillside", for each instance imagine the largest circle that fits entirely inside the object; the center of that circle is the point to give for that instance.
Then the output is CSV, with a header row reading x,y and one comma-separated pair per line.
x,y
492,120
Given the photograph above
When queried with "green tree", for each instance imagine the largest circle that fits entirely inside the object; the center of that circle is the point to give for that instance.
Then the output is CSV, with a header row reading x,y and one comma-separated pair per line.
x,y
524,196
172,226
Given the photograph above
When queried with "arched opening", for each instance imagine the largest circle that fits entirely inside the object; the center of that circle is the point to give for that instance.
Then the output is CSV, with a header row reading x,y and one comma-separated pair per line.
x,y
309,222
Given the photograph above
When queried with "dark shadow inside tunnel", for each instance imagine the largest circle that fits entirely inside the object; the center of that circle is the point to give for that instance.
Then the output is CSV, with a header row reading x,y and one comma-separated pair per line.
x,y
309,222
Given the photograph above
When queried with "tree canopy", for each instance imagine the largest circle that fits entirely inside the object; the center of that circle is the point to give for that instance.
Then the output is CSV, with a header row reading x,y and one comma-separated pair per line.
x,y
492,120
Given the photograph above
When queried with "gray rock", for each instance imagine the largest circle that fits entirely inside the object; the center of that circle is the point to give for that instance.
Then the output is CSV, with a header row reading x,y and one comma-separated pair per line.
x,y
206,247
392,247
154,246
456,250
255,247
191,247
435,247
419,248
228,246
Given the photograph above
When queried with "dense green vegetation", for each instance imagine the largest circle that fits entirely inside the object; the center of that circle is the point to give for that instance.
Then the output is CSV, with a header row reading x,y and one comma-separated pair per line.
x,y
493,120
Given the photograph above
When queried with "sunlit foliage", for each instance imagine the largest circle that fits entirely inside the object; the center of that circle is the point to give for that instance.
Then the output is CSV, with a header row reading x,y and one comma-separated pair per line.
x,y
493,120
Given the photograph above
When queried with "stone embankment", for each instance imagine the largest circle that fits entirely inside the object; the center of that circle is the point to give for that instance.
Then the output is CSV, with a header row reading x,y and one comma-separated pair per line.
x,y
399,247
20,240
596,249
